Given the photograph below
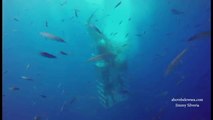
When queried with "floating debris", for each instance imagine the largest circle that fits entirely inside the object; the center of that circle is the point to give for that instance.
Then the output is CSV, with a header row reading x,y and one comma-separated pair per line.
x,y
52,37
175,61
176,12
14,88
26,78
63,53
118,4
200,35
15,19
48,55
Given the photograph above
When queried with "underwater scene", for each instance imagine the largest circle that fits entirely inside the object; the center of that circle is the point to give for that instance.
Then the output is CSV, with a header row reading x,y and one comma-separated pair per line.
x,y
106,60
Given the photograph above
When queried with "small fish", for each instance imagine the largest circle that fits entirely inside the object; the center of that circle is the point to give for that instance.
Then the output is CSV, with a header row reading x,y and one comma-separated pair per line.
x,y
176,12
27,66
159,115
118,4
43,96
63,3
36,118
179,82
200,35
62,107
168,33
52,37
5,71
138,35
76,12
73,100
124,45
164,93
59,85
129,19
14,88
48,55
126,35
120,22
62,92
96,29
124,92
175,61
15,19
63,53
115,33
26,78
97,58
46,23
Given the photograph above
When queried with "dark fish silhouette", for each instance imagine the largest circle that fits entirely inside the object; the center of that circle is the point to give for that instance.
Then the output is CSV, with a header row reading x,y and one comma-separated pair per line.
x,y
139,35
76,12
176,12
73,100
96,29
124,91
63,3
43,96
126,35
120,22
118,4
200,35
15,19
46,23
48,55
5,71
14,88
63,53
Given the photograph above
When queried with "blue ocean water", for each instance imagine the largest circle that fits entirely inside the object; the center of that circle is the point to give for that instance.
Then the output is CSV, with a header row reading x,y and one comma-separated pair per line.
x,y
64,88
